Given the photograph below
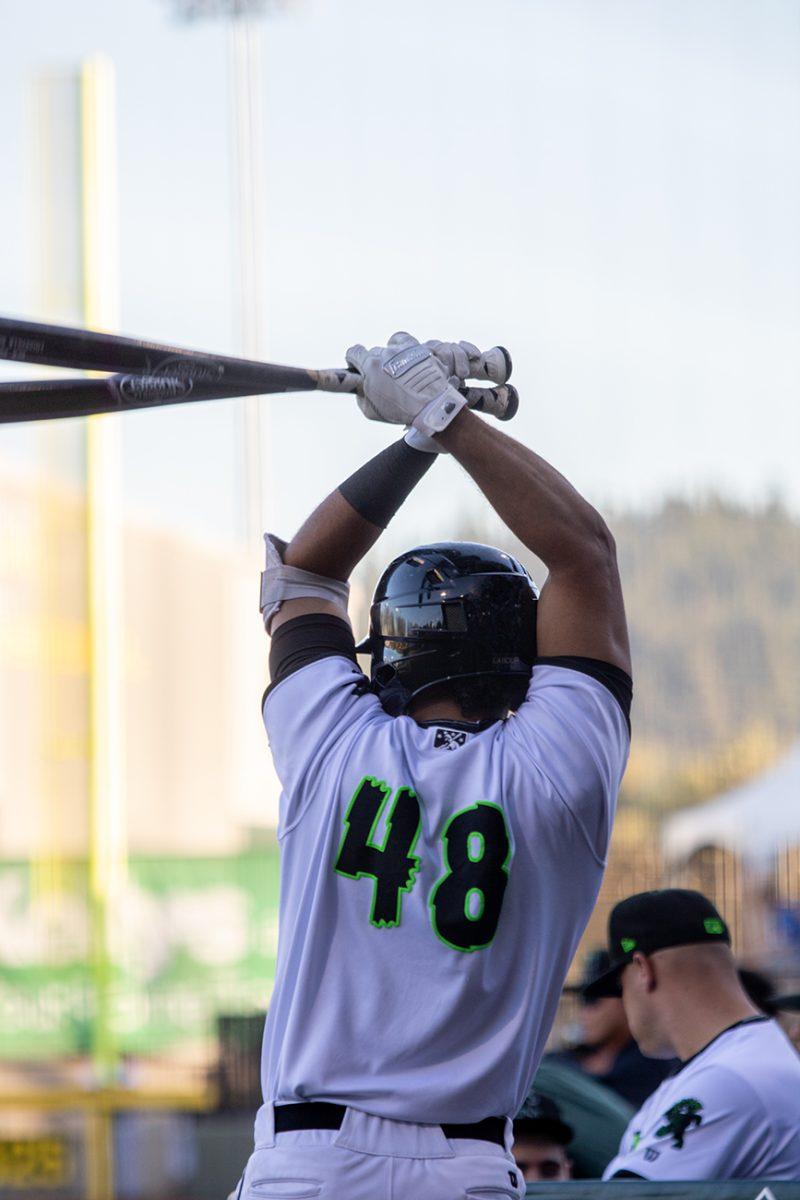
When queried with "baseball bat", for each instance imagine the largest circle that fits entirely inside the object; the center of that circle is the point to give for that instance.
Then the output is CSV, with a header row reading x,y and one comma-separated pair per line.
x,y
148,374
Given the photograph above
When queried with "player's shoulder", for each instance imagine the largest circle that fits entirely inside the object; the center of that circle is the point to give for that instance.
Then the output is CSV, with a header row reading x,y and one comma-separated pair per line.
x,y
574,725
752,1064
321,705
752,1041
758,1052
580,685
314,674
659,1099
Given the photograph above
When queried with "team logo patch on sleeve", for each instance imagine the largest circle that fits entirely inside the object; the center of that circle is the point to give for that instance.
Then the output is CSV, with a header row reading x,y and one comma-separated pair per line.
x,y
678,1120
449,739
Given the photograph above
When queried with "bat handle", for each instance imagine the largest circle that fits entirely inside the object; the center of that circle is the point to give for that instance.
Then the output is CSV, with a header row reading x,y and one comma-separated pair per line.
x,y
501,402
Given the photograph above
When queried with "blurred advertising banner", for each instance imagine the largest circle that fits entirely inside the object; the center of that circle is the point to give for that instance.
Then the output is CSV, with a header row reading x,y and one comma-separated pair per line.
x,y
192,938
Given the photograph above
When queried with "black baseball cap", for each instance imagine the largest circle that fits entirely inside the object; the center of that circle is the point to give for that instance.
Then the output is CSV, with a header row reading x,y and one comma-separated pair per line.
x,y
541,1117
651,921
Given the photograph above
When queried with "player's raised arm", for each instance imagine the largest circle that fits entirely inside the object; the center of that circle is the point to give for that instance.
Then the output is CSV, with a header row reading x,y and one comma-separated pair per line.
x,y
405,383
309,575
581,611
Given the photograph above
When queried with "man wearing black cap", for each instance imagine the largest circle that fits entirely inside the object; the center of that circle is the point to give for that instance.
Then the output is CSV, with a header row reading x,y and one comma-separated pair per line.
x,y
732,1110
541,1137
606,1050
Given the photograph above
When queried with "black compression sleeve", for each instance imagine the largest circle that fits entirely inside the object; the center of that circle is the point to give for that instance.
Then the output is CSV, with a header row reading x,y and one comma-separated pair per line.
x,y
306,639
377,489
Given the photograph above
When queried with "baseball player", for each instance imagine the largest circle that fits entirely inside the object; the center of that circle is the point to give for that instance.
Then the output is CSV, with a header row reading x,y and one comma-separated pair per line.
x,y
732,1109
541,1137
444,824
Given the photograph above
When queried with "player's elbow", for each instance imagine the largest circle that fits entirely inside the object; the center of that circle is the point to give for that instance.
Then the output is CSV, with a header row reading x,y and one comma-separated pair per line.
x,y
596,548
585,545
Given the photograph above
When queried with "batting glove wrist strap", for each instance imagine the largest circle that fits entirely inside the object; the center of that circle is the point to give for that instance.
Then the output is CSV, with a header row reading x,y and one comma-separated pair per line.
x,y
421,441
437,415
280,583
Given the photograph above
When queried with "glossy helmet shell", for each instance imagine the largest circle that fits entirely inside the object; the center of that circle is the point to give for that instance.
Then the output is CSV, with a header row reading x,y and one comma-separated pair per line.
x,y
449,611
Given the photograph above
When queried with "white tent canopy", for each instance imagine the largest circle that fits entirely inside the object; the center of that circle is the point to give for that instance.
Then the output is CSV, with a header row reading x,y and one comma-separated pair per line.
x,y
754,819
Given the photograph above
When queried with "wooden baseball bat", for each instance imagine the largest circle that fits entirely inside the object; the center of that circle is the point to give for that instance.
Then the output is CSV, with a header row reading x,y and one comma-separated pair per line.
x,y
148,374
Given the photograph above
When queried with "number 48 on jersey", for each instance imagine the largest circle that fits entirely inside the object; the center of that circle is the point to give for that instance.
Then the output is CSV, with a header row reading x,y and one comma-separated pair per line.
x,y
466,901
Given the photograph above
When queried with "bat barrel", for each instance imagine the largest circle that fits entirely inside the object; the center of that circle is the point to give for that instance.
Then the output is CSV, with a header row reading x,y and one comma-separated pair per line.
x,y
90,350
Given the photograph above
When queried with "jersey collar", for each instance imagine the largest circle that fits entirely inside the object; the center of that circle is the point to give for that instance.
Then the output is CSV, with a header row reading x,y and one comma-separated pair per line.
x,y
459,726
721,1034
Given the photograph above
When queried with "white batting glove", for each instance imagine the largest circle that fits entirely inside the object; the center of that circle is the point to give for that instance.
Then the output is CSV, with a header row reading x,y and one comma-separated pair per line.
x,y
462,361
466,361
404,383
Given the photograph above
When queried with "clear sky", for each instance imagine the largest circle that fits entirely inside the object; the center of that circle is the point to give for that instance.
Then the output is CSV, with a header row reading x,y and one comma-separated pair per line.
x,y
611,188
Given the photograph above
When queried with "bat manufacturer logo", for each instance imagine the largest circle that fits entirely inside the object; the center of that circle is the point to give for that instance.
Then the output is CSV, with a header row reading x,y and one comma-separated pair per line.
x,y
17,348
153,389
195,370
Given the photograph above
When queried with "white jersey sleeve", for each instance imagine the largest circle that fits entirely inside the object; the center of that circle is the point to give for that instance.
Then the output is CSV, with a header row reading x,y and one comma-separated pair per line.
x,y
572,730
731,1112
312,713
707,1134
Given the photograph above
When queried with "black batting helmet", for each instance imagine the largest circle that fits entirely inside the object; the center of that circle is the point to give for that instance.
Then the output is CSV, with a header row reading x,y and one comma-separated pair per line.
x,y
448,612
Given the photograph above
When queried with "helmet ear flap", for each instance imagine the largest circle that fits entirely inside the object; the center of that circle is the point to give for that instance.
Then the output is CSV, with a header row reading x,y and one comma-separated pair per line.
x,y
394,695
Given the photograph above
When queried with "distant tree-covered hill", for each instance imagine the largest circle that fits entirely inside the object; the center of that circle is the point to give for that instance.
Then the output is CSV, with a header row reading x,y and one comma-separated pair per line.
x,y
713,598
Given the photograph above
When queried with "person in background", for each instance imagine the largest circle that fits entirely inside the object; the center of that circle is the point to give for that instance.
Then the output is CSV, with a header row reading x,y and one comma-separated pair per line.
x,y
732,1109
763,991
597,1116
606,1050
788,1007
541,1137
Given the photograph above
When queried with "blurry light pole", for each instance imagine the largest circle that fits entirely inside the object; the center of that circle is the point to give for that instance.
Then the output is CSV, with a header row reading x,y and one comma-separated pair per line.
x,y
78,281
247,108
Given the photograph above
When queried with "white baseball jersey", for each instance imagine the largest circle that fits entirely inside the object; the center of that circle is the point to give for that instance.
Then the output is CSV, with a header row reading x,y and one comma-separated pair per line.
x,y
435,882
730,1112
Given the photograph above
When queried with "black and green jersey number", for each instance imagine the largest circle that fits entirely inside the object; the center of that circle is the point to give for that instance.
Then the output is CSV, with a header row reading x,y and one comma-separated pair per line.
x,y
392,866
466,902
